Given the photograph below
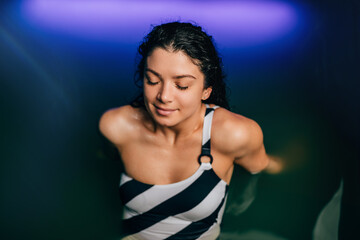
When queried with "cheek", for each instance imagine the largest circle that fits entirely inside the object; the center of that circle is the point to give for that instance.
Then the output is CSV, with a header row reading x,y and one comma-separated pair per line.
x,y
191,99
149,92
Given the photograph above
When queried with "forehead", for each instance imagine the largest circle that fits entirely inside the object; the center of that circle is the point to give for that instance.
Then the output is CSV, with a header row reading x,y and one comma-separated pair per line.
x,y
172,61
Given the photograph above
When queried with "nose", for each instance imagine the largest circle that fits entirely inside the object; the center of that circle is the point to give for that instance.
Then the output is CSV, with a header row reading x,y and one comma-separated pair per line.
x,y
165,94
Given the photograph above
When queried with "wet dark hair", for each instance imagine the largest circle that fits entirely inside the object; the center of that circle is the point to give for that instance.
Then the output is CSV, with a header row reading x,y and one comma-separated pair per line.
x,y
191,39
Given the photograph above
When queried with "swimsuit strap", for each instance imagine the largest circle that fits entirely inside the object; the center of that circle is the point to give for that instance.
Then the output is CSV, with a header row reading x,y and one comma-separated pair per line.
x,y
205,148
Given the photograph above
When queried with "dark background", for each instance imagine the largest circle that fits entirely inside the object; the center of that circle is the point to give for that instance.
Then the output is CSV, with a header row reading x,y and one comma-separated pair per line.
x,y
56,182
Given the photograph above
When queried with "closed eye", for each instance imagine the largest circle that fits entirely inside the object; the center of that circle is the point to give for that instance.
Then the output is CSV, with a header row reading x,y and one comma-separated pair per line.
x,y
148,80
181,88
151,83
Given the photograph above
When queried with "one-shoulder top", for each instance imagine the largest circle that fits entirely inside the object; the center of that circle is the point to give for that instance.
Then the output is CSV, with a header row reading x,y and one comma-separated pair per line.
x,y
189,209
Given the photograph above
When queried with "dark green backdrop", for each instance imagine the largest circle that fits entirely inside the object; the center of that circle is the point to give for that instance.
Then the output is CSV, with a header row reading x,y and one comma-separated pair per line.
x,y
56,182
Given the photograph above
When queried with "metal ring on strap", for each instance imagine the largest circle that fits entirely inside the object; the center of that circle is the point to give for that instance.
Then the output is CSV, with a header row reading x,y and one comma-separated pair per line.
x,y
207,155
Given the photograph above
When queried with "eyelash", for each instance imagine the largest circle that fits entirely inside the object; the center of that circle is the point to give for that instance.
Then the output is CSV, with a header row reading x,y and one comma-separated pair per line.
x,y
151,83
181,88
154,83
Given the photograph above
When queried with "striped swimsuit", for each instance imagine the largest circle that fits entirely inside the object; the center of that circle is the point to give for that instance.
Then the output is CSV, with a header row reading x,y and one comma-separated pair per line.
x,y
189,209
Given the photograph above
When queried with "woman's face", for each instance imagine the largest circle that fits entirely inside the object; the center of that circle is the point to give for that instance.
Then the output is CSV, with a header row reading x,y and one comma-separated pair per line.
x,y
173,87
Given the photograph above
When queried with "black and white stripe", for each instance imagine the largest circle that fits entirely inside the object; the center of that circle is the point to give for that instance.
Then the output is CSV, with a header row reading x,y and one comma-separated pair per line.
x,y
189,209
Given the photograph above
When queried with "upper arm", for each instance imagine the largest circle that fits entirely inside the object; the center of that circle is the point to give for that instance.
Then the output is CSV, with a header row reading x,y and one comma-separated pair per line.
x,y
250,151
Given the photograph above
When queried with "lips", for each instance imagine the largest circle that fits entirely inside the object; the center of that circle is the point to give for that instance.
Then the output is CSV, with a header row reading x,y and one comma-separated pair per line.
x,y
164,111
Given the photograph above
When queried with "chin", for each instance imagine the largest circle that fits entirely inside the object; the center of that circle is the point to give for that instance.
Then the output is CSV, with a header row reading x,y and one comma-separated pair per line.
x,y
166,122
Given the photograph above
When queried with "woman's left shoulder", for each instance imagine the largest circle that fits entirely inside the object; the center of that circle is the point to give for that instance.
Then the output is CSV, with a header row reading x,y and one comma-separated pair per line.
x,y
234,132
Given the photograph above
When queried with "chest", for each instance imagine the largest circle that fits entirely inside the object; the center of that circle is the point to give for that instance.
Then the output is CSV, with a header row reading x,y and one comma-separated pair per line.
x,y
158,152
152,160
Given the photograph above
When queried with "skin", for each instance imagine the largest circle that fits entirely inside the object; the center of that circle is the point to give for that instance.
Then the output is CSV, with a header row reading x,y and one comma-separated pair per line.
x,y
161,144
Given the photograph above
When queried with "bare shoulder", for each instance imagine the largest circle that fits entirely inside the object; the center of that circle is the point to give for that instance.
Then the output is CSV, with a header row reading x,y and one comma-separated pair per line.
x,y
236,134
116,124
241,139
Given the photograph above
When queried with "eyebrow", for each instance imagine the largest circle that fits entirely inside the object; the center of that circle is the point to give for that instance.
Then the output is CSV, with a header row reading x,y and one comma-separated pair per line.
x,y
176,77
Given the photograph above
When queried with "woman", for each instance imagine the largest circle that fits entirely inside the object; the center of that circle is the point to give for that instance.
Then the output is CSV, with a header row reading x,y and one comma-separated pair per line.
x,y
175,181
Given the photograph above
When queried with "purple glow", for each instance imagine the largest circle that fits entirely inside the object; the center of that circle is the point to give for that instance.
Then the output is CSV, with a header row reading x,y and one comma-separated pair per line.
x,y
238,23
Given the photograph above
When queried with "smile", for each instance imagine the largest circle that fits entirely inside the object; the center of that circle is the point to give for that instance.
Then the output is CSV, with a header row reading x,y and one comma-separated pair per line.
x,y
164,111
